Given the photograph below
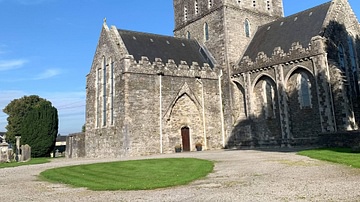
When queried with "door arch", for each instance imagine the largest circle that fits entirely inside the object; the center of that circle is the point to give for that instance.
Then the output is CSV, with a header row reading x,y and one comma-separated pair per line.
x,y
185,135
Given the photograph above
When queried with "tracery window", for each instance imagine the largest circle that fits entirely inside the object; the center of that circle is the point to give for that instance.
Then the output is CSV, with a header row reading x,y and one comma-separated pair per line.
x,y
206,32
98,99
104,92
341,55
354,75
268,97
247,28
304,87
111,92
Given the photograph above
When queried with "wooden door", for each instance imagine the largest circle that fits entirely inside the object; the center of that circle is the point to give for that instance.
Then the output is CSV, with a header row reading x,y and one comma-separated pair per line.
x,y
185,135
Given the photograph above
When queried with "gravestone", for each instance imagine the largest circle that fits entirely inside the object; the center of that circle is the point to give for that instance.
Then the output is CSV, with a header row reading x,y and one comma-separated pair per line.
x,y
25,153
4,155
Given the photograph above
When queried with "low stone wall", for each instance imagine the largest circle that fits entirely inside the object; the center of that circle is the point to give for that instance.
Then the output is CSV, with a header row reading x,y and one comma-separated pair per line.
x,y
340,139
75,145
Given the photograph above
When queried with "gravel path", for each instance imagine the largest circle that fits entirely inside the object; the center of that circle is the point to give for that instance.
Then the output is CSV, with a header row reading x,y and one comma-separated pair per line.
x,y
238,176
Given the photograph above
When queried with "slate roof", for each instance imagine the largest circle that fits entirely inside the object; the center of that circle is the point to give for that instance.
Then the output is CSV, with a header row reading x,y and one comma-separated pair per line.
x,y
300,27
165,47
61,138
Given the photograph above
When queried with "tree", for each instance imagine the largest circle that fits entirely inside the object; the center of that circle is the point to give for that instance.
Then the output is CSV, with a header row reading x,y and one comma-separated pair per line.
x,y
83,129
36,120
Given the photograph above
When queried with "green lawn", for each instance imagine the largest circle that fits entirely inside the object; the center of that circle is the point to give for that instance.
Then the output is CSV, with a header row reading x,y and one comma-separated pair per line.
x,y
131,175
335,155
31,162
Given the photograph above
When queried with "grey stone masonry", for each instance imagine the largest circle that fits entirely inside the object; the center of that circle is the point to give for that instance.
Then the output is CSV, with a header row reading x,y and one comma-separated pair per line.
x,y
236,74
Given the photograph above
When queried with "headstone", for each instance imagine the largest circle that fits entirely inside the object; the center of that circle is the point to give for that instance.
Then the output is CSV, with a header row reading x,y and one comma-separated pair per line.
x,y
25,153
57,154
4,157
18,155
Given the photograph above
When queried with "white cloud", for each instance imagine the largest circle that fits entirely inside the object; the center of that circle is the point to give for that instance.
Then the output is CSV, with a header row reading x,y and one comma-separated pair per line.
x,y
49,73
11,64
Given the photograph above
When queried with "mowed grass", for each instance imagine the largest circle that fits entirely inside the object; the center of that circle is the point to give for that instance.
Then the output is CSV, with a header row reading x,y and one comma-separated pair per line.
x,y
335,155
131,175
31,162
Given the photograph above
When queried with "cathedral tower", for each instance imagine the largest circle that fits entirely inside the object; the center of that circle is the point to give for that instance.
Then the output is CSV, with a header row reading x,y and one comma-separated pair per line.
x,y
225,27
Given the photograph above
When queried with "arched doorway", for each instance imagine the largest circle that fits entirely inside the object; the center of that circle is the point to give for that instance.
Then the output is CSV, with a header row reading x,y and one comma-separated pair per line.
x,y
185,135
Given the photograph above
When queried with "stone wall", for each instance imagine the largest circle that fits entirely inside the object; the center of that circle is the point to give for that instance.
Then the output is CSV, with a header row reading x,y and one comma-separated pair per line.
x,y
348,139
75,145
155,101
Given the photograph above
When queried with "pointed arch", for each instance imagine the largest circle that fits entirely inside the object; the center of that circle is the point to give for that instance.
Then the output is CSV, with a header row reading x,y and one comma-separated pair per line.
x,y
264,90
297,68
184,91
239,100
303,85
260,76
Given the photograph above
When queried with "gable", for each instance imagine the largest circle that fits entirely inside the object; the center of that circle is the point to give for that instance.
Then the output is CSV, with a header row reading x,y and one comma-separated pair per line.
x,y
300,27
165,47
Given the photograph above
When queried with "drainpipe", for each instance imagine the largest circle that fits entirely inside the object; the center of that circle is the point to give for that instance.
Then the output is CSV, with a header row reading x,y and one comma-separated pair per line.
x,y
160,117
221,110
203,111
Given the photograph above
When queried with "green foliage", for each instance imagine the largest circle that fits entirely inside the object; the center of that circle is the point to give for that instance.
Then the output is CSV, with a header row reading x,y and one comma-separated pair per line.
x,y
335,155
36,120
16,110
132,175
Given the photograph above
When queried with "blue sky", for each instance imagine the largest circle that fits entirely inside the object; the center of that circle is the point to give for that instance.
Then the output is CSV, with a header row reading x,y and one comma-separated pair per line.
x,y
47,46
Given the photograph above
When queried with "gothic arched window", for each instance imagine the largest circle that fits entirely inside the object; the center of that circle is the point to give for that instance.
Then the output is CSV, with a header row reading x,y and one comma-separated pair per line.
x,y
341,55
247,28
206,32
354,73
112,85
188,35
304,86
104,91
268,97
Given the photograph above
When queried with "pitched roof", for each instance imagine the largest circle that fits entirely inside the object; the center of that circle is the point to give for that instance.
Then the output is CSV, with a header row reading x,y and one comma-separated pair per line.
x,y
300,27
165,47
61,138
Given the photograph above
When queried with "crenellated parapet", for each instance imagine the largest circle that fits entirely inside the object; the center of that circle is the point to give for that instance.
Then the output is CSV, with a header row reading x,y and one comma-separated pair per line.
x,y
296,54
170,68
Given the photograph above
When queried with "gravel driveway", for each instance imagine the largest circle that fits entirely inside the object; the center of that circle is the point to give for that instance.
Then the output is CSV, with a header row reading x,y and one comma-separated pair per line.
x,y
238,176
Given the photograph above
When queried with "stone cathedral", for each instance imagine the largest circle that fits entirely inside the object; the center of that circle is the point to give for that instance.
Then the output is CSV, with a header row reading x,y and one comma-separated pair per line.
x,y
236,74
